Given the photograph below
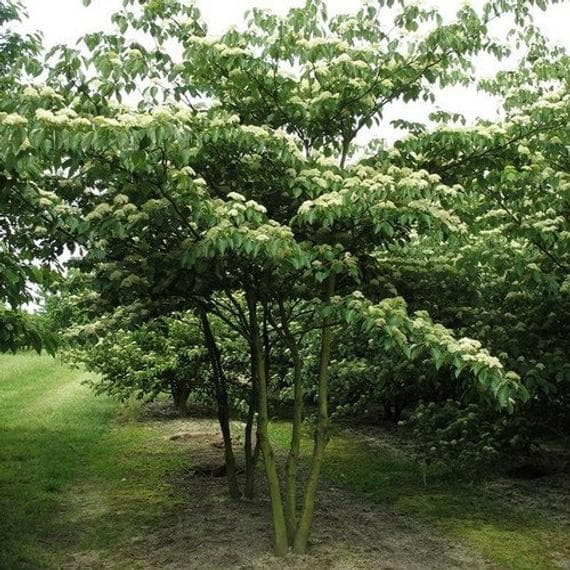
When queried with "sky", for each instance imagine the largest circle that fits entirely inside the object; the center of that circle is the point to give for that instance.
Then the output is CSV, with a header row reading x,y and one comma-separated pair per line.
x,y
64,21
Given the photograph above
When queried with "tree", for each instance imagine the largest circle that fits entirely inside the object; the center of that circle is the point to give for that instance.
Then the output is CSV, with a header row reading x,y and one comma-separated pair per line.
x,y
162,356
241,195
24,231
516,255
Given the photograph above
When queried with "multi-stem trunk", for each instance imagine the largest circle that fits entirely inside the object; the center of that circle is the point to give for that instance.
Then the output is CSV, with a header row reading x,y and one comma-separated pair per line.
x,y
295,446
180,394
223,407
321,432
280,543
249,449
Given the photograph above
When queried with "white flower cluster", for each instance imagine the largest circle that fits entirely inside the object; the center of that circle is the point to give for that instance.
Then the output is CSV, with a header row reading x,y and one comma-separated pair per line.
x,y
184,114
13,119
80,122
162,113
313,43
483,358
61,209
236,196
187,171
324,96
200,41
465,345
328,200
414,180
255,130
134,120
51,118
551,105
357,83
342,58
255,206
550,225
121,199
51,93
101,121
31,92
226,51
99,212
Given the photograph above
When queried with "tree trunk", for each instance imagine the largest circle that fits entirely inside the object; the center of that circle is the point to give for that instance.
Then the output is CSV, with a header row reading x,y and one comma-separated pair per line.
x,y
387,410
249,451
180,394
321,433
223,407
295,446
280,543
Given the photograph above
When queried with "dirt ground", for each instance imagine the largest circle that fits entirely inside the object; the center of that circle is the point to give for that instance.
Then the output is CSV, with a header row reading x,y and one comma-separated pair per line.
x,y
213,532
209,531
540,484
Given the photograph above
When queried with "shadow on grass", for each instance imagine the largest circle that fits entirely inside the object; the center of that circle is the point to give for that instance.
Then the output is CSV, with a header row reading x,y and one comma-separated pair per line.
x,y
469,511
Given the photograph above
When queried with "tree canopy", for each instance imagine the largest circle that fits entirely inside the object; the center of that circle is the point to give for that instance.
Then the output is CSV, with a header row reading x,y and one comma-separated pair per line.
x,y
223,179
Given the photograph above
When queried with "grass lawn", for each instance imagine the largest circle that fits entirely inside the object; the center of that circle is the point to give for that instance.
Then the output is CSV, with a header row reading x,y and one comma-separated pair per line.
x,y
81,480
505,534
72,477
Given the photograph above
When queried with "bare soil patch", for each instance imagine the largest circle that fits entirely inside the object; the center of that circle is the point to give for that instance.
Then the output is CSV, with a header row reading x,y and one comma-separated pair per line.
x,y
211,531
205,529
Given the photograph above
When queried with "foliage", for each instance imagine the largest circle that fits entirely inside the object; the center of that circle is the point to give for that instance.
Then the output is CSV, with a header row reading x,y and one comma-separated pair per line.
x,y
164,355
20,331
466,435
24,233
234,190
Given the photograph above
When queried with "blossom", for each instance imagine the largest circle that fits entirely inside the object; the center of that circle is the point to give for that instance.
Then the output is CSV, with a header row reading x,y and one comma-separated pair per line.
x,y
134,120
121,199
254,205
100,211
106,121
162,113
31,92
80,122
14,119
188,171
50,117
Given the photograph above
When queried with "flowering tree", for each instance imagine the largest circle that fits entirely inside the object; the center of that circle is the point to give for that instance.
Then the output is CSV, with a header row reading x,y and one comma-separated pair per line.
x,y
162,356
234,188
515,254
25,226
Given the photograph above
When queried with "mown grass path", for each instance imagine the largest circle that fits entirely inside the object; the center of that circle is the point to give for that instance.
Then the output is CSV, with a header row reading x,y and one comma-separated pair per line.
x,y
85,485
73,481
49,426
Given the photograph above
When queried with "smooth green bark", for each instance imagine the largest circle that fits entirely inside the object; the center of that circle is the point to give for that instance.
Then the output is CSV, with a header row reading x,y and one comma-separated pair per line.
x,y
295,447
321,433
223,407
280,541
249,449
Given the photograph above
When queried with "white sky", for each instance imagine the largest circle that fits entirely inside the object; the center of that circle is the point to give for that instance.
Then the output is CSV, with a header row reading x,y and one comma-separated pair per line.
x,y
64,21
